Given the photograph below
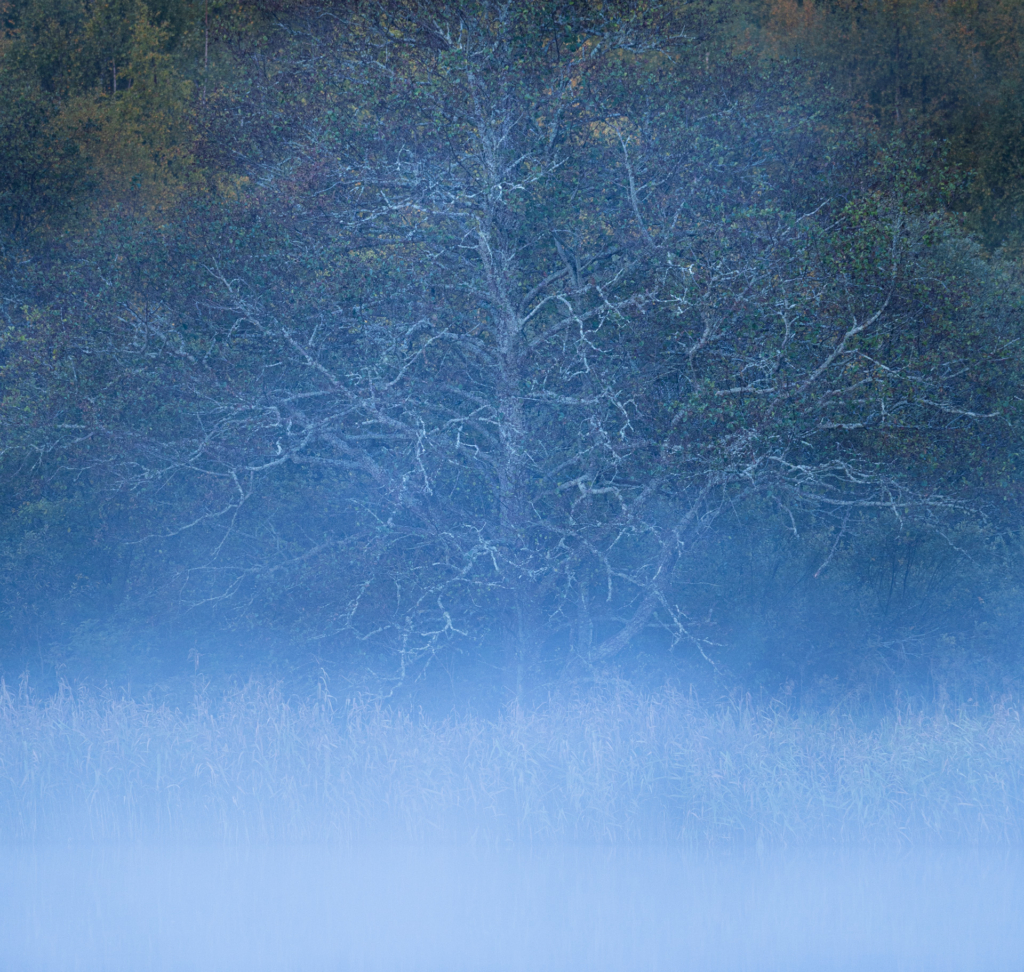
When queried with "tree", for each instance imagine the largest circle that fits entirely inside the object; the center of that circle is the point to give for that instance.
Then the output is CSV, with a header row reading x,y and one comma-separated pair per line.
x,y
949,70
543,296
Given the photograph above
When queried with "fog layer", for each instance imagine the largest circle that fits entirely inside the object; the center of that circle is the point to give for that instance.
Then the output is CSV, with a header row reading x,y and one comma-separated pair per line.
x,y
310,908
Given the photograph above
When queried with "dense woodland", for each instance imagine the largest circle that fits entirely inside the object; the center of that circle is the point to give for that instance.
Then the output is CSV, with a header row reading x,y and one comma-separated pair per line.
x,y
514,342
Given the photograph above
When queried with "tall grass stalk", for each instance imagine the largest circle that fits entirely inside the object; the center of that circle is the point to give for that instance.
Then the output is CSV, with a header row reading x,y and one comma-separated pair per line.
x,y
614,765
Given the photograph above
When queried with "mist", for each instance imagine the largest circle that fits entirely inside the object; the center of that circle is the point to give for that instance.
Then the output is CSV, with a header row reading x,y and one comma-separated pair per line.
x,y
612,828
525,485
410,907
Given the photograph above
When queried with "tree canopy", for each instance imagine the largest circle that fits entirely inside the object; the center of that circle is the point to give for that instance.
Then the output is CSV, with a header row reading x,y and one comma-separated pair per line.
x,y
528,337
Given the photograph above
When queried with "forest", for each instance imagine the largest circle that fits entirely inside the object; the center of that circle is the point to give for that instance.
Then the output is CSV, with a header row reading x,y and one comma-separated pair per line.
x,y
495,348
512,485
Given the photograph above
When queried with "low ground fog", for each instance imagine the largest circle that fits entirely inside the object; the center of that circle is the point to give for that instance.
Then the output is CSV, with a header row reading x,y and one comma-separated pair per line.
x,y
611,764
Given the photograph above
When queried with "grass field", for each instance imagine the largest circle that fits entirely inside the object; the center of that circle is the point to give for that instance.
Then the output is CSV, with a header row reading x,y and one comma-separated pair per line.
x,y
612,765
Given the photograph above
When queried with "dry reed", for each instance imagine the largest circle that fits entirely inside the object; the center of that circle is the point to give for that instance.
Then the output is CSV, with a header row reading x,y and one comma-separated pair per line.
x,y
615,765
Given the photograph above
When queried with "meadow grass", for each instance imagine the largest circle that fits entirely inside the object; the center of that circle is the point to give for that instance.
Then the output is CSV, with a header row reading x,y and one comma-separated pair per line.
x,y
612,764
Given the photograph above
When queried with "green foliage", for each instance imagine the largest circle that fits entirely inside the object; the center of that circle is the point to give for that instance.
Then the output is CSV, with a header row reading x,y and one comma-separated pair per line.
x,y
95,109
946,72
41,166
